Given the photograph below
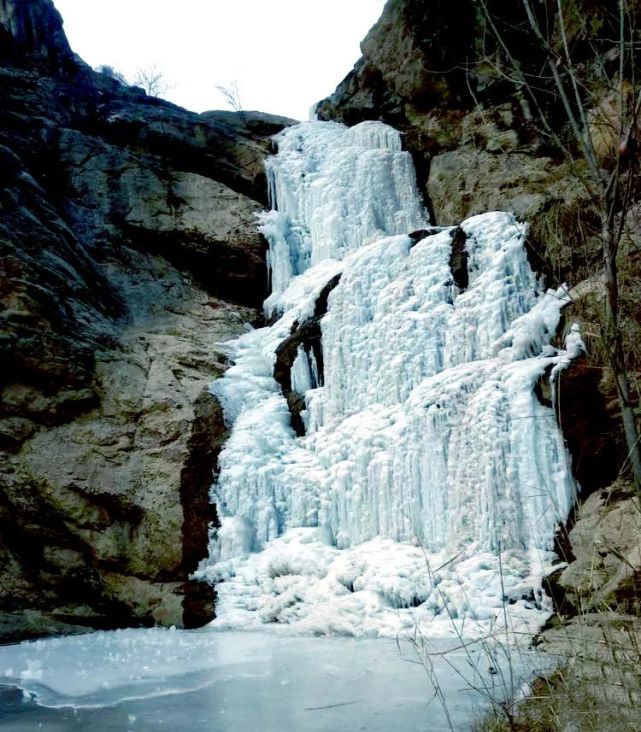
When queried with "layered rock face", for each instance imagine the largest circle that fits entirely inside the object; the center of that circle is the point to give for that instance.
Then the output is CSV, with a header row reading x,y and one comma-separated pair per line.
x,y
433,69
129,252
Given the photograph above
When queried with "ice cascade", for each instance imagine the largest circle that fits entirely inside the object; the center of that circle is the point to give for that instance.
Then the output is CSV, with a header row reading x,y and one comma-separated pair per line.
x,y
430,479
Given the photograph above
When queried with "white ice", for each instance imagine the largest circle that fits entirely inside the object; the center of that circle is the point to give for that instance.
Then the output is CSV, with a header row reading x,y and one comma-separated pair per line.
x,y
431,480
333,189
237,682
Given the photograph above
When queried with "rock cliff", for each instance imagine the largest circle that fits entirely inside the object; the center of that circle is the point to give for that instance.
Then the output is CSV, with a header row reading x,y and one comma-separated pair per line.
x,y
128,253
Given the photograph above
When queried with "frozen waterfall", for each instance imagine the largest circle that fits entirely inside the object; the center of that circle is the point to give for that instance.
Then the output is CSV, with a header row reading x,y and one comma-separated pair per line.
x,y
427,454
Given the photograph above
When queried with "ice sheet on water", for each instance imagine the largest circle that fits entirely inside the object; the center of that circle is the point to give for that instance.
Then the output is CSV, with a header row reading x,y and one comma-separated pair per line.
x,y
426,439
102,668
191,680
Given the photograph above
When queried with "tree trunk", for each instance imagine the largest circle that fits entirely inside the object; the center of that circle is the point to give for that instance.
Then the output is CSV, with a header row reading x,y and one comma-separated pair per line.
x,y
613,339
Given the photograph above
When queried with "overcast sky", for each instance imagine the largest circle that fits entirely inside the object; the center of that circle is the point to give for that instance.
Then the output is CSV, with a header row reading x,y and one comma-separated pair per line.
x,y
284,54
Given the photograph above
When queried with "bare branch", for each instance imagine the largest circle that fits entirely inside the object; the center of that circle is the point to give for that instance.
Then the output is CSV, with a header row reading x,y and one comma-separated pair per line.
x,y
231,93
152,80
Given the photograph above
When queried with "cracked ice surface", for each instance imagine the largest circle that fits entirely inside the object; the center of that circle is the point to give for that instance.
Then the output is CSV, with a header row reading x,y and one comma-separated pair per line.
x,y
431,479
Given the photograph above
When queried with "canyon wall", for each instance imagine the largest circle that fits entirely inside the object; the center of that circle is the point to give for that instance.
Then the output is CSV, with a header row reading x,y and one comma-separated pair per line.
x,y
128,253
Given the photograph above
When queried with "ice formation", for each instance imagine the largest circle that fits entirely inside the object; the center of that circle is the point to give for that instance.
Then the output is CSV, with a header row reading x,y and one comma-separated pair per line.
x,y
185,680
333,189
431,479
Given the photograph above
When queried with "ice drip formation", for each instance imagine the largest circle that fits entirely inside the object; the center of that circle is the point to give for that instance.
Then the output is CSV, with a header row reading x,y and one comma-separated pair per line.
x,y
430,478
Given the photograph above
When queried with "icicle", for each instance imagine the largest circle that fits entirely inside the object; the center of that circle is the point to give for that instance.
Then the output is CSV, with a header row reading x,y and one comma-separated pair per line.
x,y
301,373
313,364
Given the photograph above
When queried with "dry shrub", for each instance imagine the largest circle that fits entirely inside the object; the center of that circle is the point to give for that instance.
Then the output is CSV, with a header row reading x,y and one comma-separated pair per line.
x,y
563,241
596,688
607,128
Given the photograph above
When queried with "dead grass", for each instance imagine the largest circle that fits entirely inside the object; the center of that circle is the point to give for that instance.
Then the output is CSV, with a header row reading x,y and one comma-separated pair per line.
x,y
596,686
575,698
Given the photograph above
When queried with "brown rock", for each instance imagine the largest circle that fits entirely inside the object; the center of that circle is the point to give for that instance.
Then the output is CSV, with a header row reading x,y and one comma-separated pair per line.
x,y
306,335
606,571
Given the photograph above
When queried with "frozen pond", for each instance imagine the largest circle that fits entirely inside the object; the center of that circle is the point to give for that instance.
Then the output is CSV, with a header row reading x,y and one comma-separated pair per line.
x,y
176,680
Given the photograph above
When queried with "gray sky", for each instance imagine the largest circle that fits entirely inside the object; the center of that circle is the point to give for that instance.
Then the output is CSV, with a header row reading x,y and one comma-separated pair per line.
x,y
284,54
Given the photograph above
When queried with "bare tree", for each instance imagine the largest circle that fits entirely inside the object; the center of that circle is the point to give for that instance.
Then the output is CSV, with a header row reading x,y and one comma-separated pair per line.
x,y
231,93
603,130
152,80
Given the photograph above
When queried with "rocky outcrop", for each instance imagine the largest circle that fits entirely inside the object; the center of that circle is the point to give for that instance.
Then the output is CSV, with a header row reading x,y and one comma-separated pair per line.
x,y
308,337
414,60
31,32
128,253
107,513
605,573
596,630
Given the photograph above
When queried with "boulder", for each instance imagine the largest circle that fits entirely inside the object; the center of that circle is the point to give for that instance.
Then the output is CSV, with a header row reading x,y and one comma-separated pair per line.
x,y
606,570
